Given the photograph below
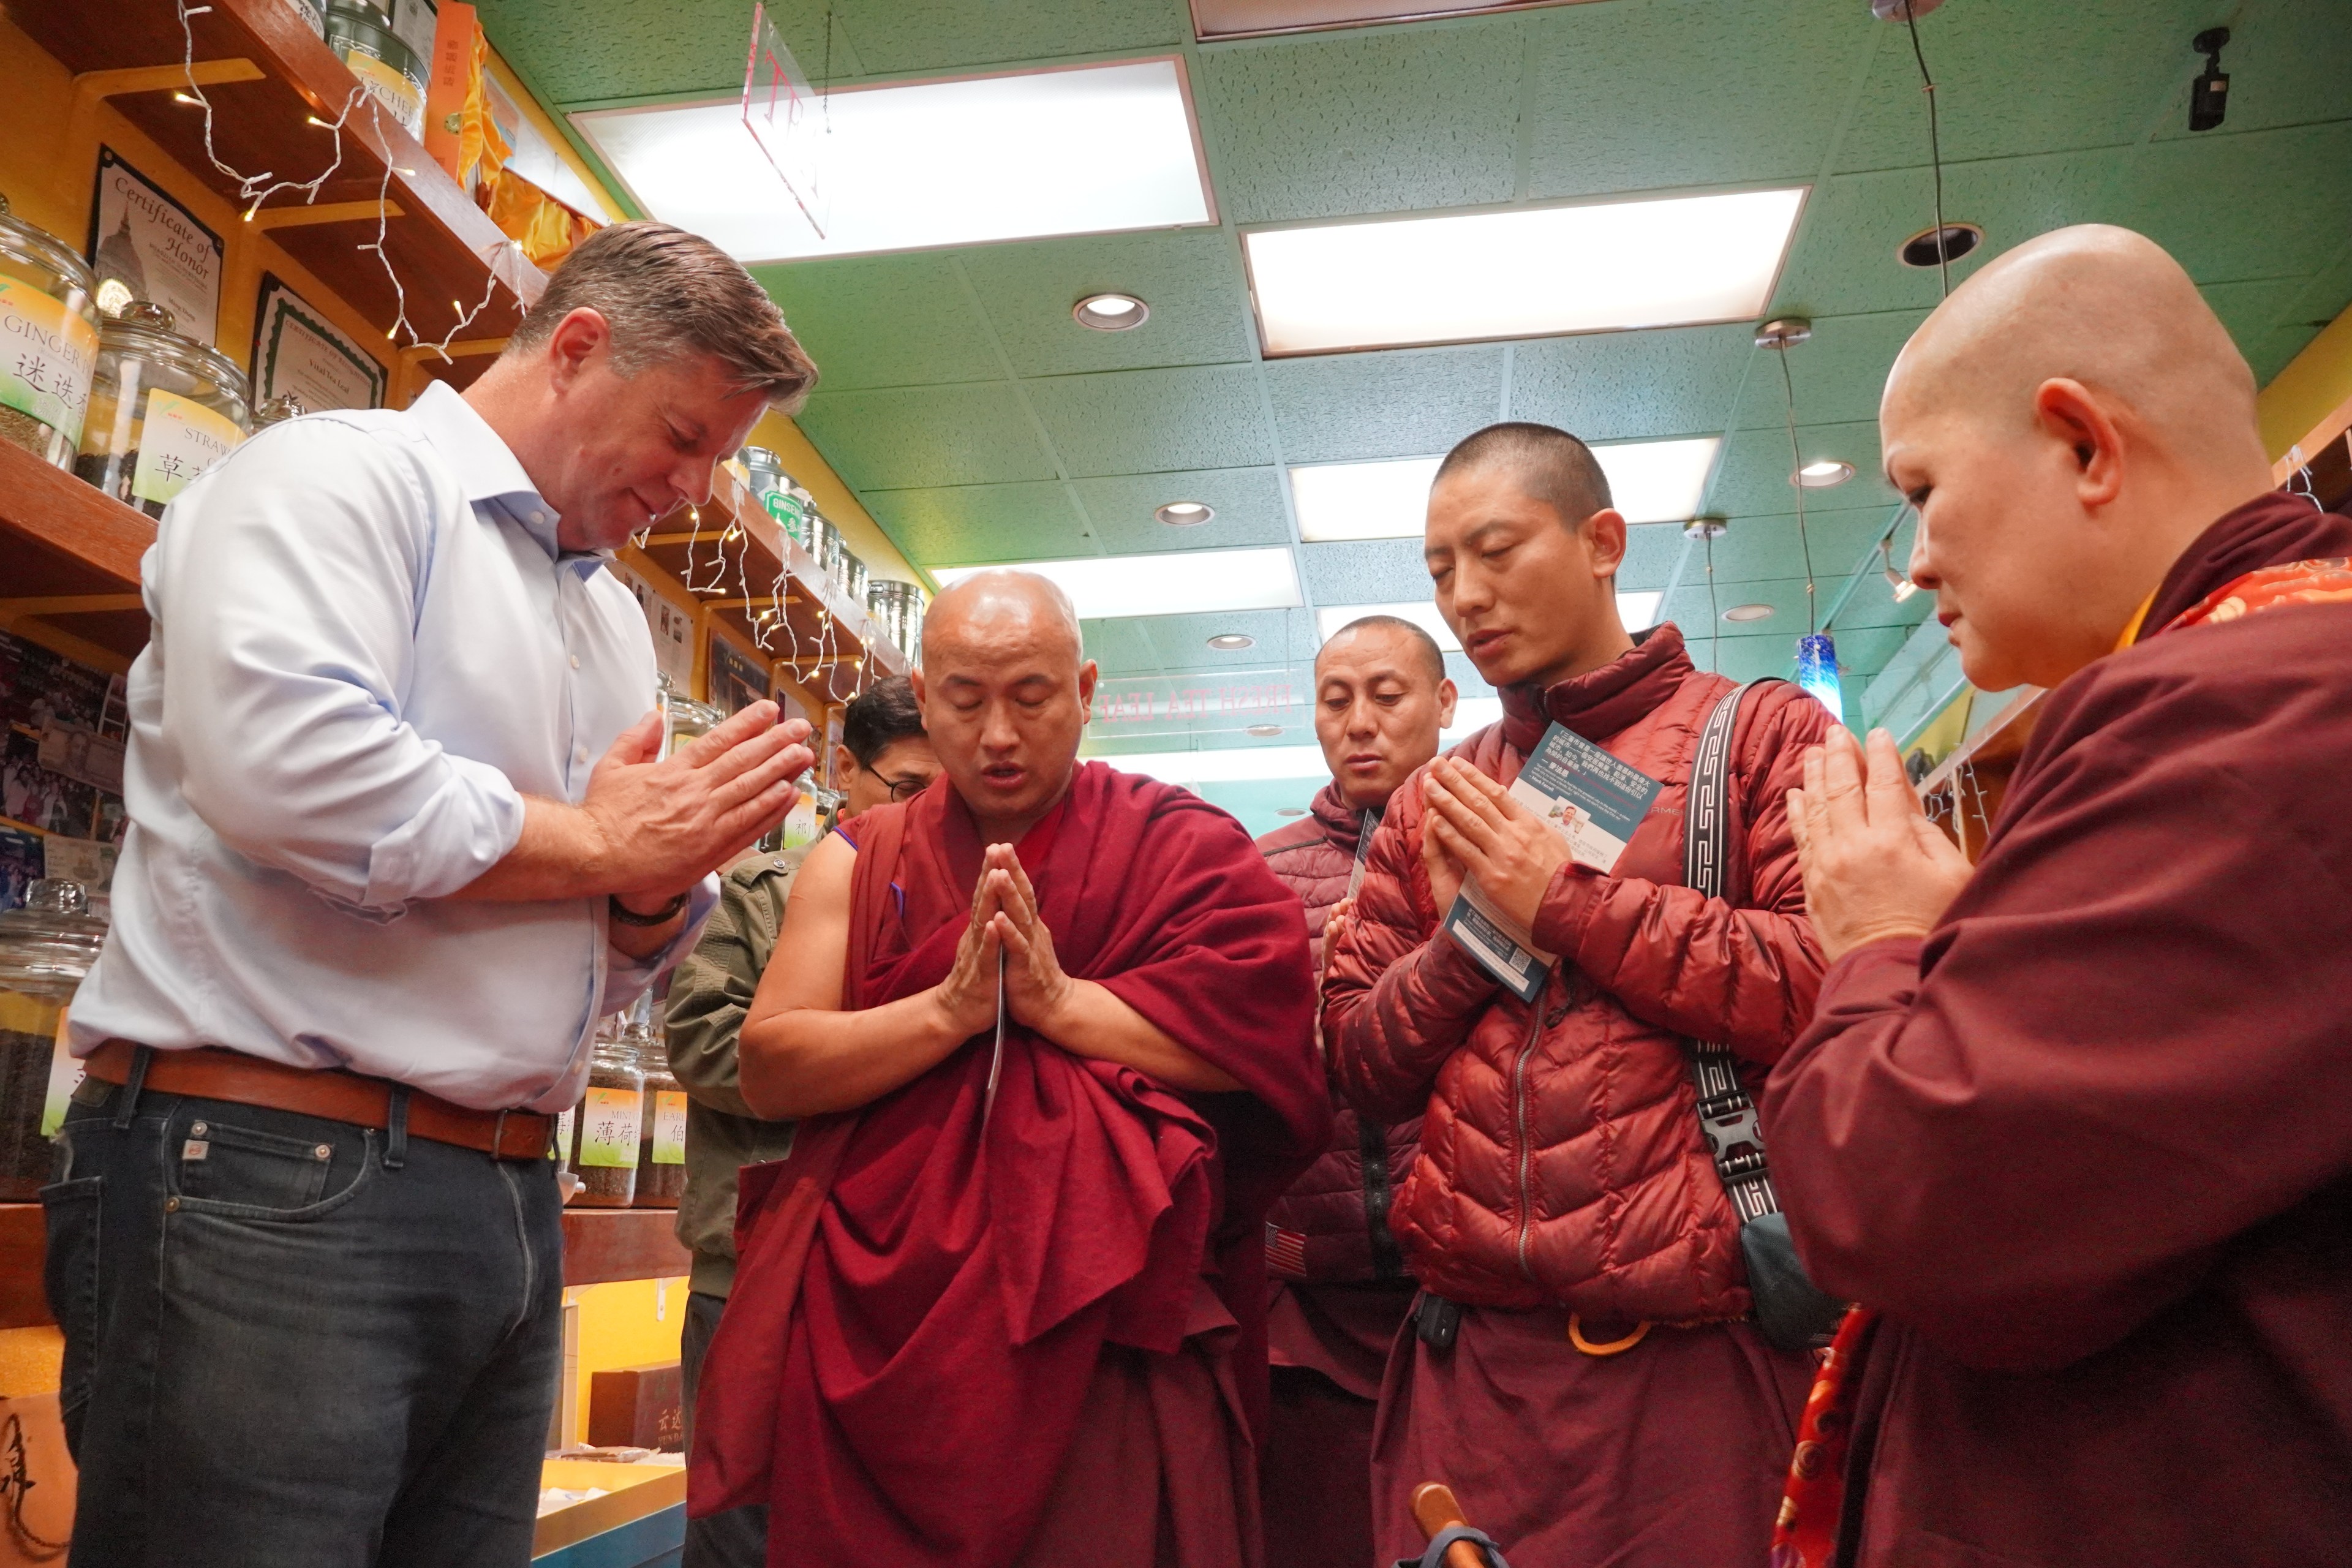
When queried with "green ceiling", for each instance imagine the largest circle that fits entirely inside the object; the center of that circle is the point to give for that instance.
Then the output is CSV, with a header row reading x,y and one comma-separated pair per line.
x,y
978,423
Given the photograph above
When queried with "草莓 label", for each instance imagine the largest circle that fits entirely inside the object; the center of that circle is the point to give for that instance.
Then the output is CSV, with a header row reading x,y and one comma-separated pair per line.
x,y
47,354
670,1127
179,439
608,1127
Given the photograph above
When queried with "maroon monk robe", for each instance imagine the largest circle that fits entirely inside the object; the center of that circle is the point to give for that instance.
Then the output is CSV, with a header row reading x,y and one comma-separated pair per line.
x,y
2085,1145
934,1319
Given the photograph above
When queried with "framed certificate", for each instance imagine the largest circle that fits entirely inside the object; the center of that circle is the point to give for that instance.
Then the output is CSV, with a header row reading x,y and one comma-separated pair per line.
x,y
737,679
145,246
296,349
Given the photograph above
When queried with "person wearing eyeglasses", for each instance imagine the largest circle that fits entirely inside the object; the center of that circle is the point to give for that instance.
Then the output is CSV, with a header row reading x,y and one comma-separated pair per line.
x,y
884,756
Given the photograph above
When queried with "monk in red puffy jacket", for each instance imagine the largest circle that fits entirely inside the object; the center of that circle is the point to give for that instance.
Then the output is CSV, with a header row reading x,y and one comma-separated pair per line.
x,y
1583,1374
1338,1286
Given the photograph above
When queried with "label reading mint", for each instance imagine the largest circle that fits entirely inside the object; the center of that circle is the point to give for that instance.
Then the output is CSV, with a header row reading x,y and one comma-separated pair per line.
x,y
179,439
47,354
608,1127
670,1127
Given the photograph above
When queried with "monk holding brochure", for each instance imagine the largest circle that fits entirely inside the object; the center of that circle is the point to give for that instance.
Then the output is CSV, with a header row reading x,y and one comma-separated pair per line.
x,y
1581,1369
1049,1026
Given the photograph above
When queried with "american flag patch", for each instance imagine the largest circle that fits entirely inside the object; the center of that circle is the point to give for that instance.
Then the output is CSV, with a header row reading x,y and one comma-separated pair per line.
x,y
1286,1250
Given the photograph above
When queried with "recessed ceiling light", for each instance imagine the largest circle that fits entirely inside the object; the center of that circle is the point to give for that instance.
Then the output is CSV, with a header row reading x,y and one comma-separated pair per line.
x,y
1637,609
1823,475
1184,513
1651,482
1261,731
1089,150
1181,582
1920,250
1748,612
1527,272
1230,642
1110,313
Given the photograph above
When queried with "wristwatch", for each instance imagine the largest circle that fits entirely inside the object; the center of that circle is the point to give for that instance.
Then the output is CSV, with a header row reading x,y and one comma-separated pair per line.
x,y
661,917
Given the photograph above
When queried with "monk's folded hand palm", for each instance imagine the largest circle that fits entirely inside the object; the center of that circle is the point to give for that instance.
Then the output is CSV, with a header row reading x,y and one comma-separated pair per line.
x,y
1875,869
1035,988
968,996
1509,850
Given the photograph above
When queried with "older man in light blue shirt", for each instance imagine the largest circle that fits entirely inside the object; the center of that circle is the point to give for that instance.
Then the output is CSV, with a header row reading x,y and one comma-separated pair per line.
x,y
400,833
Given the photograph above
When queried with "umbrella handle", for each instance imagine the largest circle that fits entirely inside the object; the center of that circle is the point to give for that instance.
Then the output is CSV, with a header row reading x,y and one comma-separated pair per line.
x,y
1435,1509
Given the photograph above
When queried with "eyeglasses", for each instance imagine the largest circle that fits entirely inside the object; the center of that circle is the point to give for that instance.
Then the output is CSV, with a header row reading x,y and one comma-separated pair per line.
x,y
905,789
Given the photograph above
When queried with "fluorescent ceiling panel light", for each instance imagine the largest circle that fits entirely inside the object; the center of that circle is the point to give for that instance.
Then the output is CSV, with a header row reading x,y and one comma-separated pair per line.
x,y
1636,608
1651,482
1522,273
1257,18
1091,150
1182,583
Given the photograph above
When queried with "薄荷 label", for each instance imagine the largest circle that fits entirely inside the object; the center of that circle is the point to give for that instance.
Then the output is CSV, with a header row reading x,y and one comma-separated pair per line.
x,y
608,1127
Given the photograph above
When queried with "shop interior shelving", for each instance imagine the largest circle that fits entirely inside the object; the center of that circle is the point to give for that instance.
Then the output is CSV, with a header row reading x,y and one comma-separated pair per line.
x,y
268,76
1965,790
746,572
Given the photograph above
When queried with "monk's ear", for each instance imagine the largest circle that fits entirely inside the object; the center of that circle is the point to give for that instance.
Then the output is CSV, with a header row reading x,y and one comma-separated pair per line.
x,y
2071,414
1604,536
1446,694
1087,673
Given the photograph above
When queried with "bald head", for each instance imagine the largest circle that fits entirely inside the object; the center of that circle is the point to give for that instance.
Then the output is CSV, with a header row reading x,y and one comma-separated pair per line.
x,y
988,605
1005,688
2098,305
2067,423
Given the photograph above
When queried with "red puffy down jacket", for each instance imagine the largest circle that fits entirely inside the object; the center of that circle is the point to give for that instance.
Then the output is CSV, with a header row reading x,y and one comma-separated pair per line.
x,y
1560,1158
1332,1227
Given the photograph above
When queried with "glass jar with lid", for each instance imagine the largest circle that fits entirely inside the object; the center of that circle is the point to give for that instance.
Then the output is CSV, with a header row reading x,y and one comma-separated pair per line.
x,y
661,1149
683,718
276,411
605,1150
162,409
45,948
49,340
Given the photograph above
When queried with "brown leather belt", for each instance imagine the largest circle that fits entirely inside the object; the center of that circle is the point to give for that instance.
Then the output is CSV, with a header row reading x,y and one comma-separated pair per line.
x,y
211,1072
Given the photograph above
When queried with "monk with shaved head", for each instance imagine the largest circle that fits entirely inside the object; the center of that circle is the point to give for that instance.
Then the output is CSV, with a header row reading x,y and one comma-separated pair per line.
x,y
2069,1125
1048,1024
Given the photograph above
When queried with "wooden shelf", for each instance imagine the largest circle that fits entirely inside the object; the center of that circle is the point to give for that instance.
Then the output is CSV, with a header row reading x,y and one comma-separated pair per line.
x,y
445,249
604,1245
741,564
24,1244
69,554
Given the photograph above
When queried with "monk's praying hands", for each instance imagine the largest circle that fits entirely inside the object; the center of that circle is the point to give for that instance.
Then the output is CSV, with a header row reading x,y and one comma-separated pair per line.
x,y
1494,839
1036,990
1876,868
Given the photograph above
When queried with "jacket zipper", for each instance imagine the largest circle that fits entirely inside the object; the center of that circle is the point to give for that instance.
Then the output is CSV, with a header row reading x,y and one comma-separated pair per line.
x,y
1520,1115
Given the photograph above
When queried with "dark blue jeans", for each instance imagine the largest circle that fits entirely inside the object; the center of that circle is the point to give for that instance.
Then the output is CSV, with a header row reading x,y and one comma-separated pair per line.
x,y
297,1343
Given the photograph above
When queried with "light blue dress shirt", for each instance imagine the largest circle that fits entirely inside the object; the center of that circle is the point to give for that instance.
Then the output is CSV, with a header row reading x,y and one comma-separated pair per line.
x,y
368,646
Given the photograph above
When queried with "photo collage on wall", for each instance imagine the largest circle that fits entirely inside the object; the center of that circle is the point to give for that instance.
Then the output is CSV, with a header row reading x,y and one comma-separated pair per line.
x,y
61,727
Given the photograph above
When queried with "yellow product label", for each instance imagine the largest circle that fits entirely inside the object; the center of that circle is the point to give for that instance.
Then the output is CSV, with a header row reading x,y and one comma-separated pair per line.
x,y
563,1150
178,440
47,354
402,97
65,1077
670,1127
608,1127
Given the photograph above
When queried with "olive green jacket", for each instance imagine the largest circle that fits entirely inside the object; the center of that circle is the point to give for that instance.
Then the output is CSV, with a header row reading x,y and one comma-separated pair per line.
x,y
708,997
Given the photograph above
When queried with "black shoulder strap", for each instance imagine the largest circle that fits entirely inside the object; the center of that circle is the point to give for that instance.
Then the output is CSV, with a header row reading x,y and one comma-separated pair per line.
x,y
1727,1117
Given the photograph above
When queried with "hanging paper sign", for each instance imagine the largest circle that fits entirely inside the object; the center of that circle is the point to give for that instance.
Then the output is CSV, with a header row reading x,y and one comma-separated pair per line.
x,y
737,679
178,440
145,246
296,350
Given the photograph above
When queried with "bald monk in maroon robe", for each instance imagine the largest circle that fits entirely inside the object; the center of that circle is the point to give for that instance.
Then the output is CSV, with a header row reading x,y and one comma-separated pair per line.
x,y
998,1312
2072,1126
